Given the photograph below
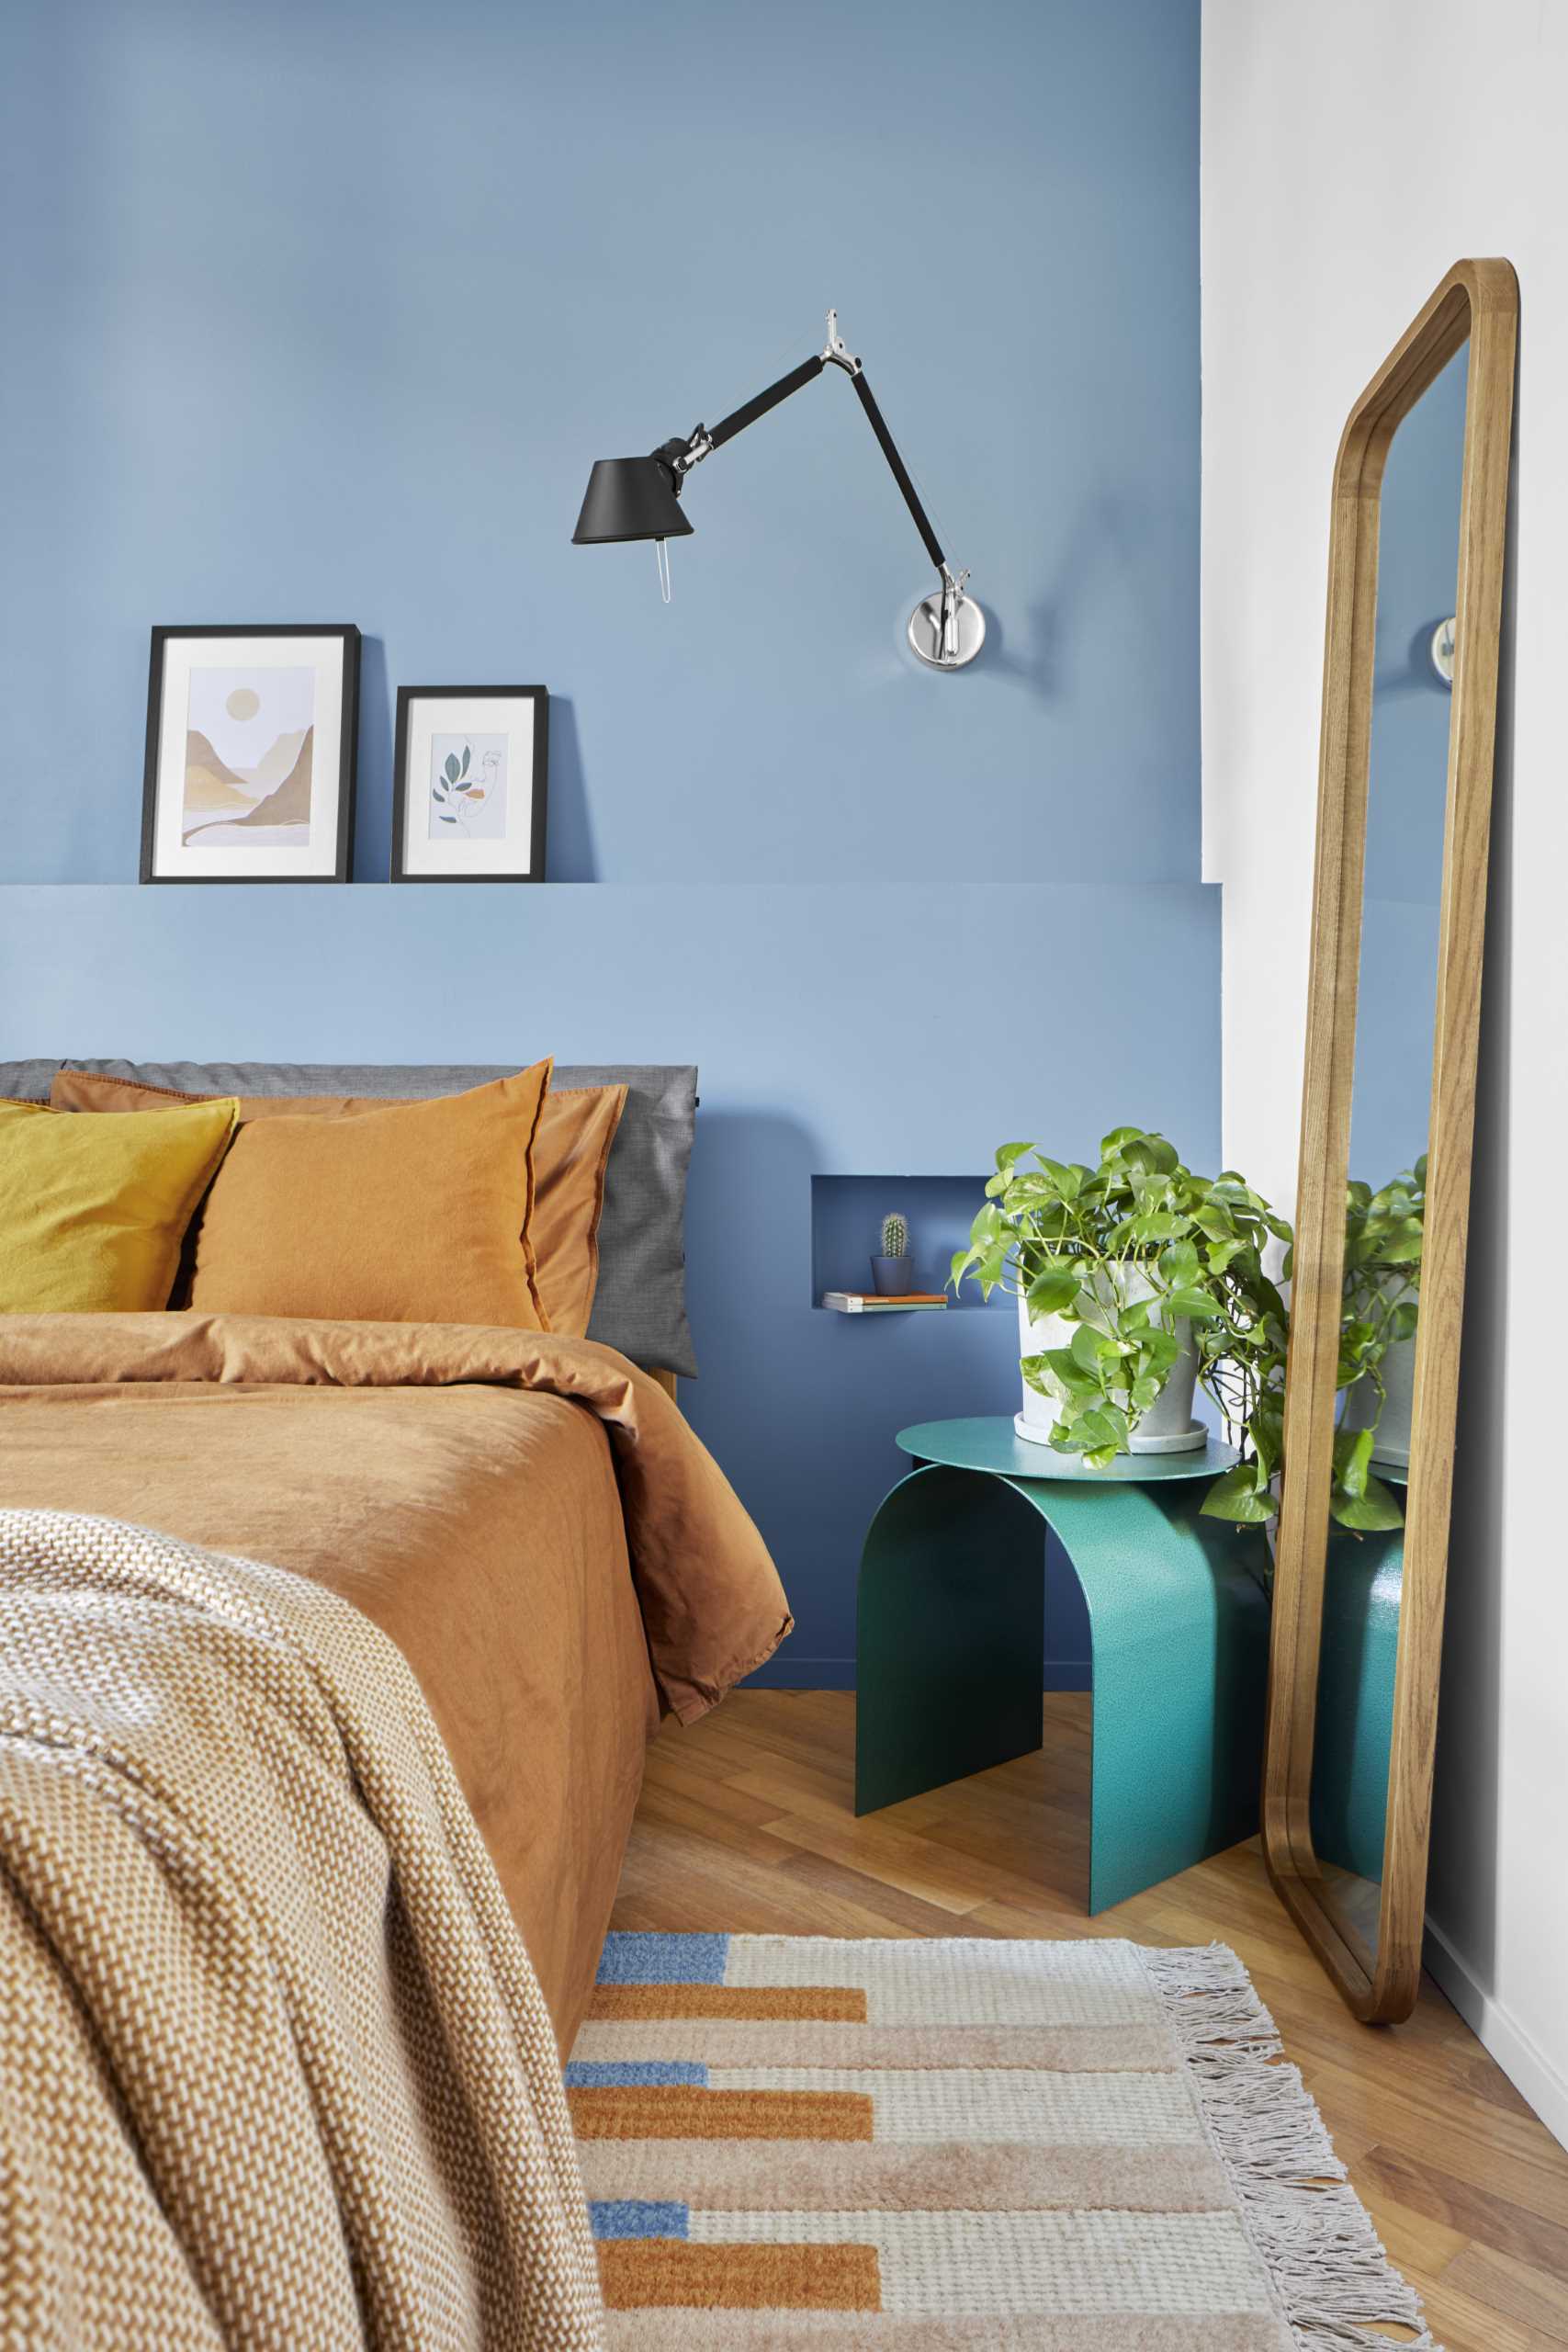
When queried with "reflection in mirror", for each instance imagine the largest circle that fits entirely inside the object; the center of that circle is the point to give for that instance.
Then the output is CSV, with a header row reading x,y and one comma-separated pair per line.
x,y
1417,572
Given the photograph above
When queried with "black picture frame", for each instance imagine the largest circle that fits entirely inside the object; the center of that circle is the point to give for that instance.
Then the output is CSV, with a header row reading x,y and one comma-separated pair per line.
x,y
348,744
540,698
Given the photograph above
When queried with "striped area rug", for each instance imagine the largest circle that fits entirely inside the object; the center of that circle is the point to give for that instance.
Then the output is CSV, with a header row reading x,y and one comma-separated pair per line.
x,y
957,2144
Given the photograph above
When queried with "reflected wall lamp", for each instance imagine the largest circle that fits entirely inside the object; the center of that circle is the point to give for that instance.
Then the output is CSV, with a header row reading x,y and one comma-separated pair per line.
x,y
638,498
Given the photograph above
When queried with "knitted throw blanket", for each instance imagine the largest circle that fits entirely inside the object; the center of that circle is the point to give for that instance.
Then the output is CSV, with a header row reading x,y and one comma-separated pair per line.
x,y
275,2070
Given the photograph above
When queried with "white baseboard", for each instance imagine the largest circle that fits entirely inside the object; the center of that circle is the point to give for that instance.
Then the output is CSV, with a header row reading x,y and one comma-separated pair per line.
x,y
1527,2067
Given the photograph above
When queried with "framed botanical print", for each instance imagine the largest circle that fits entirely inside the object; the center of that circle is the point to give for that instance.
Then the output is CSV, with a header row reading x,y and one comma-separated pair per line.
x,y
469,784
252,735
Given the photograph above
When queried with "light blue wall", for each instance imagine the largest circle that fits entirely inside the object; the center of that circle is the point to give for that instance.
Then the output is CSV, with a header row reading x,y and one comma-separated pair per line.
x,y
1407,782
321,311
764,986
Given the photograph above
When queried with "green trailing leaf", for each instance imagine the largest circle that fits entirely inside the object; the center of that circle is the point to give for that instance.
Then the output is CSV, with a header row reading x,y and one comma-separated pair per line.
x,y
1104,1425
1181,1264
1374,1512
1353,1462
1235,1495
1052,1291
1157,1225
1141,1151
1195,1305
1265,1432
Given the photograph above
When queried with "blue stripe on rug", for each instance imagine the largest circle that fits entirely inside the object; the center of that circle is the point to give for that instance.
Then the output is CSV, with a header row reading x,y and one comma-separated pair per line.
x,y
631,1959
637,2217
605,2073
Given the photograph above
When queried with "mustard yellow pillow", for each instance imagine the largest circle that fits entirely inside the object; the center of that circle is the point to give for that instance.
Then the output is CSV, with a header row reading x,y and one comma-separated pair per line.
x,y
93,1211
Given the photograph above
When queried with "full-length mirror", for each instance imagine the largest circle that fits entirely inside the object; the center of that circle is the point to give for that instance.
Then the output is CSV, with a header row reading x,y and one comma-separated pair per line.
x,y
1390,1113
1404,789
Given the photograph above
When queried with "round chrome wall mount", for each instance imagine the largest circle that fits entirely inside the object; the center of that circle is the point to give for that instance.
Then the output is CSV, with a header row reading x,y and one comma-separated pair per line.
x,y
965,632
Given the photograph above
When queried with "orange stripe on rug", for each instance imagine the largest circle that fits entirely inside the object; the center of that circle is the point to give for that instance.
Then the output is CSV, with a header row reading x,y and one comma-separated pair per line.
x,y
684,2112
636,2273
833,2004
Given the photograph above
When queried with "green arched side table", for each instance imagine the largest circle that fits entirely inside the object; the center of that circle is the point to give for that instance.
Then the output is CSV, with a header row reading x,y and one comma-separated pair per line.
x,y
952,1635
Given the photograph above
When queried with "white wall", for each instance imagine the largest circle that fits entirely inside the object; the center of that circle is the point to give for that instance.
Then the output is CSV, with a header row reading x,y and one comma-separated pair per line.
x,y
1351,151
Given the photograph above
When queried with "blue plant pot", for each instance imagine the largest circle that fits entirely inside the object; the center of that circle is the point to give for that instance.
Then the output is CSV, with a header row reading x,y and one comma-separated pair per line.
x,y
891,1277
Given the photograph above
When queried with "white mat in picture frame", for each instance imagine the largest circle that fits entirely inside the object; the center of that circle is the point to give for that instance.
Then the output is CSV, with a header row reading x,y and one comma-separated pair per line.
x,y
252,739
469,783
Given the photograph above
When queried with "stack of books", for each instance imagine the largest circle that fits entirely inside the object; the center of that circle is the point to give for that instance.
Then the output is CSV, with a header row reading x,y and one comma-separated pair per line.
x,y
865,1302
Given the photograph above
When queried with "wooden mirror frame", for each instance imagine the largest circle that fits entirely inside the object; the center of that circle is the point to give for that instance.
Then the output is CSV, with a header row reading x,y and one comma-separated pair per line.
x,y
1479,299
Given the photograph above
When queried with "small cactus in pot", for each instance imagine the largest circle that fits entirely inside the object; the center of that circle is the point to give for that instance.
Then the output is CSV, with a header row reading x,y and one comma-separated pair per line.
x,y
892,1269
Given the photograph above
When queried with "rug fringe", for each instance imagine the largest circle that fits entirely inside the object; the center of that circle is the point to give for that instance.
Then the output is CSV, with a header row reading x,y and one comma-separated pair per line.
x,y
1312,2232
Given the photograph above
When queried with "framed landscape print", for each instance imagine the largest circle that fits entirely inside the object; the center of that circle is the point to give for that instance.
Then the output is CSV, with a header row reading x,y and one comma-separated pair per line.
x,y
469,784
251,736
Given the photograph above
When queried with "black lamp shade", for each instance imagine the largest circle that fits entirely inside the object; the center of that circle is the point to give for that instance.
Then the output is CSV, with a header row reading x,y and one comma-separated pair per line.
x,y
629,498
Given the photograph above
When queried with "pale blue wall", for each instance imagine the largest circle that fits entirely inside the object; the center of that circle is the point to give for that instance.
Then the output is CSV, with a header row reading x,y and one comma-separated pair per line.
x,y
766,988
1407,782
321,312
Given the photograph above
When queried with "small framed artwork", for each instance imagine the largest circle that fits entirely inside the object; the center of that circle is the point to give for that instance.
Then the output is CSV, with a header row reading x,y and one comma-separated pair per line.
x,y
469,784
251,736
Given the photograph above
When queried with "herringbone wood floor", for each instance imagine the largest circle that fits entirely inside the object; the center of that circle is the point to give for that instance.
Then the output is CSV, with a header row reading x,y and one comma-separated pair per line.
x,y
746,1823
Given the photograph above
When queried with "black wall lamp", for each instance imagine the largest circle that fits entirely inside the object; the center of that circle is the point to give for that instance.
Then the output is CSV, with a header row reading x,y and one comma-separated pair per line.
x,y
638,498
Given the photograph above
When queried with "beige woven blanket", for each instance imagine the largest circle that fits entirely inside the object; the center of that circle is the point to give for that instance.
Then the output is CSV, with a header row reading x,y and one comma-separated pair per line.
x,y
275,2070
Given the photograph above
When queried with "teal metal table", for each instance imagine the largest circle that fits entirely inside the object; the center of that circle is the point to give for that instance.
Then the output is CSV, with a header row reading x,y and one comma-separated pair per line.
x,y
952,1633
1363,1581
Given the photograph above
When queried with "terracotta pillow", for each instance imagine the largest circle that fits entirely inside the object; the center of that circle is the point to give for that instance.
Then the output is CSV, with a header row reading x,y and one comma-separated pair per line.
x,y
407,1214
572,1150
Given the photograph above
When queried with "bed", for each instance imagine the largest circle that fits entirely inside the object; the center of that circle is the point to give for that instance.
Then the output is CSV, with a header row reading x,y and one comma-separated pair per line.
x,y
527,1517
456,1487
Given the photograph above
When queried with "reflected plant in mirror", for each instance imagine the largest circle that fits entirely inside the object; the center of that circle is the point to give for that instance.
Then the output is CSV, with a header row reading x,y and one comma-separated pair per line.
x,y
1385,1233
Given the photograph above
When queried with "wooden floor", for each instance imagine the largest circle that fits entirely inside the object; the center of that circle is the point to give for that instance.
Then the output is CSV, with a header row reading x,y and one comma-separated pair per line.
x,y
746,1824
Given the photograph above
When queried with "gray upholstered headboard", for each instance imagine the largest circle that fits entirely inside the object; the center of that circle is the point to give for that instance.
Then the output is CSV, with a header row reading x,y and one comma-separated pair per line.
x,y
640,1303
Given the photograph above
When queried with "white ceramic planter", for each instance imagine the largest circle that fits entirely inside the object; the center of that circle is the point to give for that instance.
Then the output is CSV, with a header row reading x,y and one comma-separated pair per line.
x,y
1167,1428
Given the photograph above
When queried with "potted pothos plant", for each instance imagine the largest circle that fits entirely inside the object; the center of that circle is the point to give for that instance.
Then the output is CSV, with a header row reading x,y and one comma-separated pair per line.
x,y
1385,1233
1138,1280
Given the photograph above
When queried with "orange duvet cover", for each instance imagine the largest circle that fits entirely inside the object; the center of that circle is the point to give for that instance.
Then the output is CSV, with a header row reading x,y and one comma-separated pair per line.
x,y
529,1518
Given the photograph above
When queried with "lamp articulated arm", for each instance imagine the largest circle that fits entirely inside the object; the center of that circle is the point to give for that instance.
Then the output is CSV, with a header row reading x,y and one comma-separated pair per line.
x,y
946,630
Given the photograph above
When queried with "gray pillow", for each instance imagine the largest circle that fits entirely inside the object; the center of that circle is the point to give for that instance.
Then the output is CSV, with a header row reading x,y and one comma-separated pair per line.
x,y
640,1303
